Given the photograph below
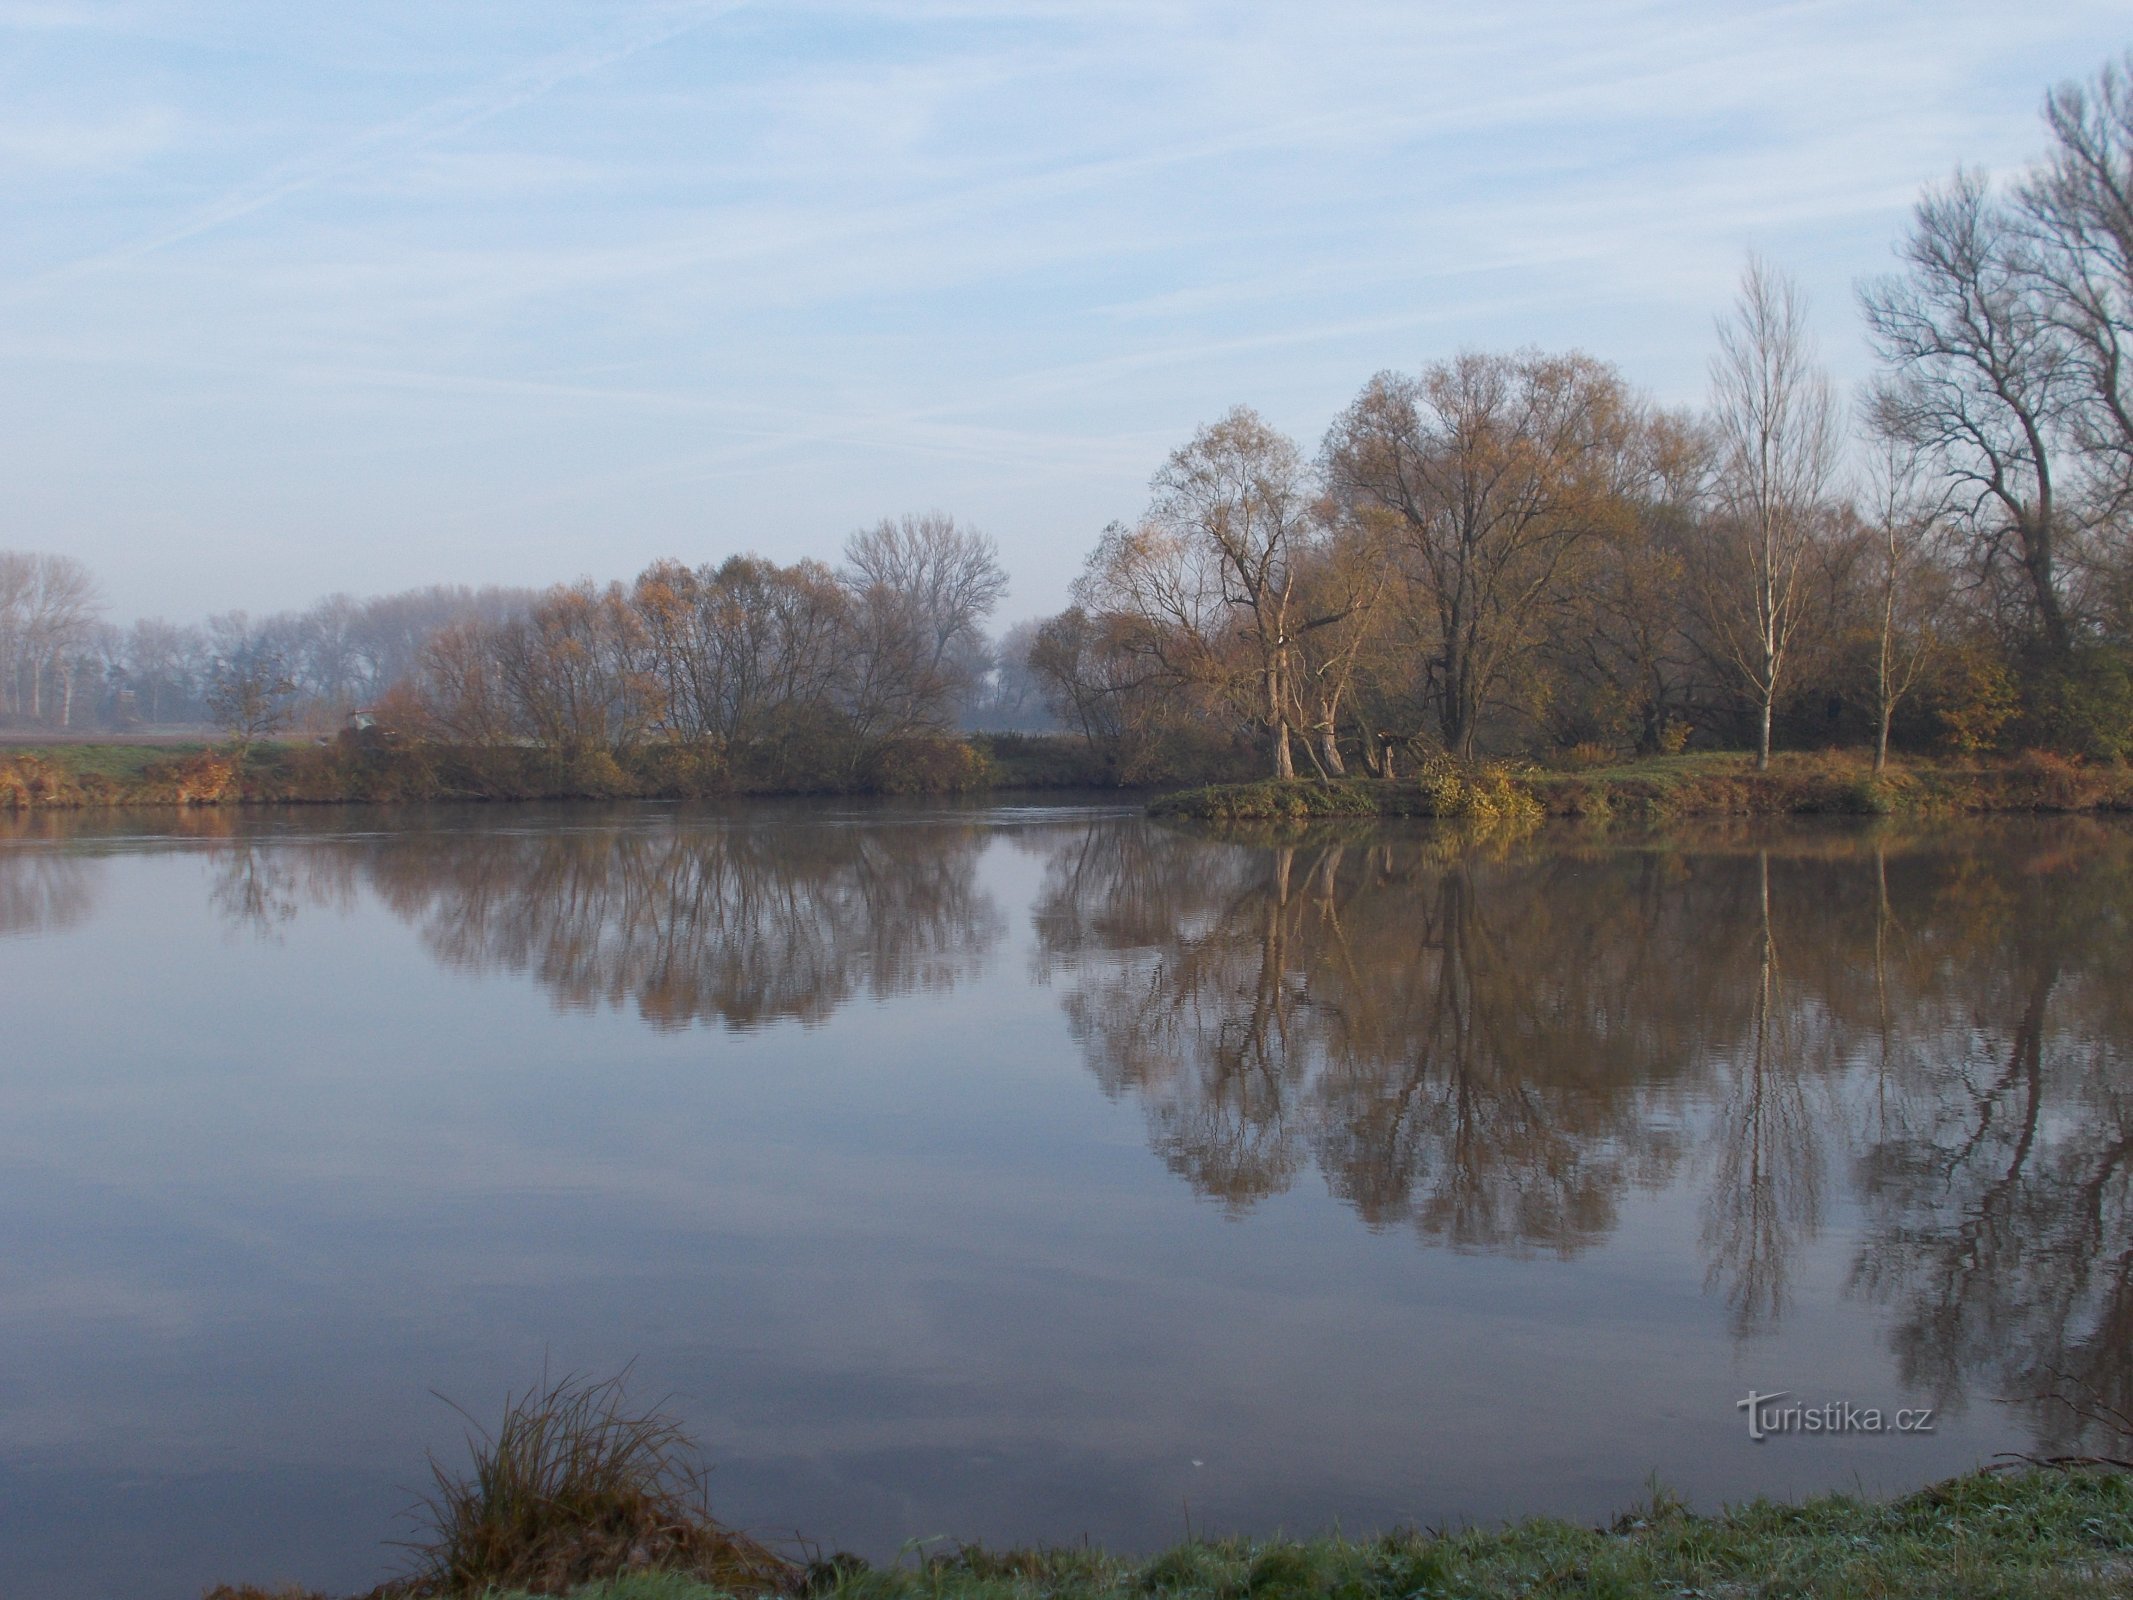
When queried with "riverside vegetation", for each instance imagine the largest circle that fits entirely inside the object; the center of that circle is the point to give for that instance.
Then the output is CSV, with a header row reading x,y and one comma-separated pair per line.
x,y
577,1493
1666,787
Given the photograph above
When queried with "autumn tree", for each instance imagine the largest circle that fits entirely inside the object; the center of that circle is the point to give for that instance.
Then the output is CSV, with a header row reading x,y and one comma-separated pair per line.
x,y
1207,581
1481,477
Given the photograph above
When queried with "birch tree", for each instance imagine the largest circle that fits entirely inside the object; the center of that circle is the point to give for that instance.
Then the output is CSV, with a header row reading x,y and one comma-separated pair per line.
x,y
1777,427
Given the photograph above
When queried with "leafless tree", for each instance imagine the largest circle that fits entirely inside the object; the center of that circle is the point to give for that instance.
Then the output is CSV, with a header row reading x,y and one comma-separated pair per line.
x,y
1906,519
48,610
2076,210
922,588
1979,381
1777,427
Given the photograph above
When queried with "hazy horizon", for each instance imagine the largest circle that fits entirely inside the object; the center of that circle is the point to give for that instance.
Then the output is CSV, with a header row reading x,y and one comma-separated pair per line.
x,y
305,302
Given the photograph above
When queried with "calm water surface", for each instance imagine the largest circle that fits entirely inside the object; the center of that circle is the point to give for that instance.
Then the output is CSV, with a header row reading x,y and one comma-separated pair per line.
x,y
1025,1174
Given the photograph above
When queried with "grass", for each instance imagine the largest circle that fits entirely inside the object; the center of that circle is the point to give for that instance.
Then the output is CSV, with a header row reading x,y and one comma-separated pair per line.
x,y
579,1493
309,771
574,1487
2052,1534
121,763
574,1484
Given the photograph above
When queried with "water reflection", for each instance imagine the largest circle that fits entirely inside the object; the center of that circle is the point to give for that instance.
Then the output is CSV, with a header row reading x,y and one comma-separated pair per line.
x,y
1460,1042
1916,1043
44,892
1493,1045
1534,1153
735,924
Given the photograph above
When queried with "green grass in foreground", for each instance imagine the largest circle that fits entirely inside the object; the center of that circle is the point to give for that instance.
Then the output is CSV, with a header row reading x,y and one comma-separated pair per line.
x,y
2044,1533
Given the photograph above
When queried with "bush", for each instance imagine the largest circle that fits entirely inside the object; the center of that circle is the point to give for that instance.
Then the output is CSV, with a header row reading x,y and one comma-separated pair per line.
x,y
2085,706
575,1486
1976,702
923,766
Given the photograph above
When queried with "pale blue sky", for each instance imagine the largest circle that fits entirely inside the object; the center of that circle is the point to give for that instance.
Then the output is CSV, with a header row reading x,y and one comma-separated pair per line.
x,y
297,297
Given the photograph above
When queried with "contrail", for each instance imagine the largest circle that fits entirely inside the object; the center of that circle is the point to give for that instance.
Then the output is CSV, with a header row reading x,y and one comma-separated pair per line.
x,y
403,135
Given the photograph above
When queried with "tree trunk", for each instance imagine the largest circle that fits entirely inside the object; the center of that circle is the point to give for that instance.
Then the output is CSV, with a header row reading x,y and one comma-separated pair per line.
x,y
1284,761
1762,743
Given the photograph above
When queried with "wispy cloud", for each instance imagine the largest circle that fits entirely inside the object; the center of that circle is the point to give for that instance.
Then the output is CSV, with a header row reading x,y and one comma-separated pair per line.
x,y
704,270
402,136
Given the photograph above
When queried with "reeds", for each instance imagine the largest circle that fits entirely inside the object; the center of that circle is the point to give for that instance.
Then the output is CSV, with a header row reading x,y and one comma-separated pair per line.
x,y
573,1486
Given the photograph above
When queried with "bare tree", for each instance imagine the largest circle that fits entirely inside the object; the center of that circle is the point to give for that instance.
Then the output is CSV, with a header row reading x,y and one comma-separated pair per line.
x,y
1906,520
1777,428
48,611
922,588
250,692
2077,212
1978,382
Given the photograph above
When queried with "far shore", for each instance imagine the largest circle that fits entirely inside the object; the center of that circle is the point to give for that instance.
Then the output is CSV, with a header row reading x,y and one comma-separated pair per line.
x,y
143,771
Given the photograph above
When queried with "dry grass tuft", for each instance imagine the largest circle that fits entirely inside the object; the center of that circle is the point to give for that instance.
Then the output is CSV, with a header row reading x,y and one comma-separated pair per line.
x,y
575,1485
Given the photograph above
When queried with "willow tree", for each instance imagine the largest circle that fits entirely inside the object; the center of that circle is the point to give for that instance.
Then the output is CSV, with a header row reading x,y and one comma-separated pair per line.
x,y
1481,478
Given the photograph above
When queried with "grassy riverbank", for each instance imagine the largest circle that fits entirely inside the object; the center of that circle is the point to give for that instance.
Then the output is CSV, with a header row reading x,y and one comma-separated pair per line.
x,y
1678,786
2056,1534
338,771
578,1492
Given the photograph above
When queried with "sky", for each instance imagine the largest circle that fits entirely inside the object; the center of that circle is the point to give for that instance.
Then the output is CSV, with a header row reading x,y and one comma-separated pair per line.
x,y
305,298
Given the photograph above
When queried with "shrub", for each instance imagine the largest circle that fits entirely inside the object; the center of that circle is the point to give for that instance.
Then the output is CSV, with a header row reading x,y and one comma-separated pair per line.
x,y
1977,702
576,1486
206,779
923,766
2085,705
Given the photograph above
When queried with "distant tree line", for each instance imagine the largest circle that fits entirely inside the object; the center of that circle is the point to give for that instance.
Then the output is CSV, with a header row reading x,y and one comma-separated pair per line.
x,y
781,676
1501,552
63,666
746,658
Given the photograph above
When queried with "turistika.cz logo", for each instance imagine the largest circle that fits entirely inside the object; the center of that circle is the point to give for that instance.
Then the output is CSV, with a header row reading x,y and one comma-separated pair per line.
x,y
1767,1418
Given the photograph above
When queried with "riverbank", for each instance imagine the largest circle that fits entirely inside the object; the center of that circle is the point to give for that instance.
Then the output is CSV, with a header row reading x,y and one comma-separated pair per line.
x,y
2057,1534
1667,787
83,774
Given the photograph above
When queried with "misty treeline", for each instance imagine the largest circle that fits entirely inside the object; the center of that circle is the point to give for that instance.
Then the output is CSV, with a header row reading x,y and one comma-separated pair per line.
x,y
746,671
1518,552
805,669
64,665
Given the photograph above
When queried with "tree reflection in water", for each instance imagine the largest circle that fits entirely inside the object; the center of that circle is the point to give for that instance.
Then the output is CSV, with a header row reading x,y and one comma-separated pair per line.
x,y
43,889
1916,1047
740,925
1492,1044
